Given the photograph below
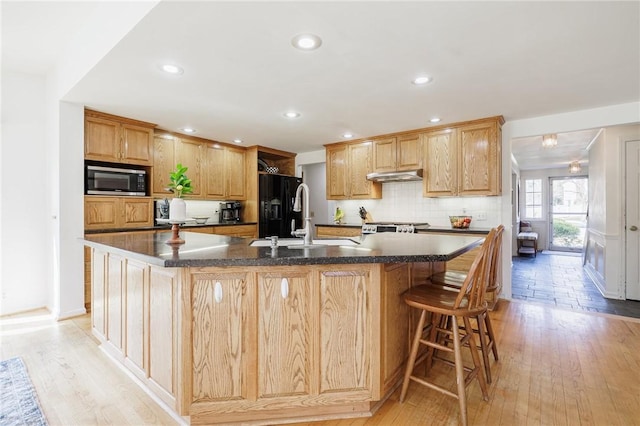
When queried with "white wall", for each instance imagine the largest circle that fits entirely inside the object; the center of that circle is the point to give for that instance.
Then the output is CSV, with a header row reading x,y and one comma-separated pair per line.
x,y
315,176
25,271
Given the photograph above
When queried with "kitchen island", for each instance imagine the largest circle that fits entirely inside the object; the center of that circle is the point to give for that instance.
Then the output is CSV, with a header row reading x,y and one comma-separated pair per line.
x,y
222,331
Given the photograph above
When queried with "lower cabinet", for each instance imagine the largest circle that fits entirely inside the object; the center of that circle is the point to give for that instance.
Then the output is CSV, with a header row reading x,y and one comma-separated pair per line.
x,y
334,231
134,316
275,343
117,212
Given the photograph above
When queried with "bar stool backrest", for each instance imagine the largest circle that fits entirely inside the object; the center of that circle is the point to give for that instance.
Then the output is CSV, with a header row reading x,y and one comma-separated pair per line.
x,y
475,285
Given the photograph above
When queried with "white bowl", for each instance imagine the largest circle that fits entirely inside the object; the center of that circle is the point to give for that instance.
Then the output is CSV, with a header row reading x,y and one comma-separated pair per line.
x,y
201,219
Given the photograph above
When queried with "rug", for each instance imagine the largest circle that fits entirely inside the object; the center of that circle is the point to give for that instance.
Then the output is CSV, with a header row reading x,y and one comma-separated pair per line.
x,y
18,400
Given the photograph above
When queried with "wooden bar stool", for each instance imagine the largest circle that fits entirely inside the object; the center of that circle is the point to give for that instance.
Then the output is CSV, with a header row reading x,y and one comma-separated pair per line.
x,y
455,279
447,307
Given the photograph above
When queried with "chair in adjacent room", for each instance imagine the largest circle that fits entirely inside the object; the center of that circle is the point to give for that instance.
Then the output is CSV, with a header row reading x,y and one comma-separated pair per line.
x,y
455,279
447,307
527,240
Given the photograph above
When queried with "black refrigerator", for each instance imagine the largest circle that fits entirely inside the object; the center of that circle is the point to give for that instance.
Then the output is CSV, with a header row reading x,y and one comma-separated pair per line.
x,y
277,194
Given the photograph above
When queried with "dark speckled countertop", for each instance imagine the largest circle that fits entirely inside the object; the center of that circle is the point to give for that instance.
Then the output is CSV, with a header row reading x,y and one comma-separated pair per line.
x,y
217,250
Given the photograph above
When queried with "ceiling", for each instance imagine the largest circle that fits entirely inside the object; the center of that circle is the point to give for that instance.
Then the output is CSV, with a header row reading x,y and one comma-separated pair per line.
x,y
241,73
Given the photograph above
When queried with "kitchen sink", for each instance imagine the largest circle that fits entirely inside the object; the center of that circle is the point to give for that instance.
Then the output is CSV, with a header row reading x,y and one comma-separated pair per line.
x,y
299,242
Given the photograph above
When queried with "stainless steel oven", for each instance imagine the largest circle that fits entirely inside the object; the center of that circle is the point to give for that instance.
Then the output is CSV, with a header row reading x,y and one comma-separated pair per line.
x,y
398,227
103,180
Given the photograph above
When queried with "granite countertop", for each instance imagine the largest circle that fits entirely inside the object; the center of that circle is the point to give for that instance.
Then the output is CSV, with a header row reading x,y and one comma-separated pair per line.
x,y
419,229
218,250
163,226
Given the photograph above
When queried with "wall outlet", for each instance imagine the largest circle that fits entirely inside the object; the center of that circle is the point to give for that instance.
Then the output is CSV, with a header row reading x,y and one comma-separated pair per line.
x,y
481,216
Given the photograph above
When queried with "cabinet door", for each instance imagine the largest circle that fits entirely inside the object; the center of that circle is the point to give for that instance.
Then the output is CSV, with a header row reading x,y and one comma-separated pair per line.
x,y
439,163
101,139
396,279
235,174
360,160
284,334
135,292
477,170
136,212
137,142
409,152
98,293
164,162
236,230
345,305
384,155
101,212
191,155
115,265
337,172
215,172
222,305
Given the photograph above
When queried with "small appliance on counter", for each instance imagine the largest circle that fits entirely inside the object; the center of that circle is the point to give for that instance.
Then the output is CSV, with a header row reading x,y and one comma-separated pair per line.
x,y
230,212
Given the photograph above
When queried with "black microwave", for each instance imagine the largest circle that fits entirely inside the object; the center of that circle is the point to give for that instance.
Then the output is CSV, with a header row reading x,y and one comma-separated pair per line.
x,y
102,180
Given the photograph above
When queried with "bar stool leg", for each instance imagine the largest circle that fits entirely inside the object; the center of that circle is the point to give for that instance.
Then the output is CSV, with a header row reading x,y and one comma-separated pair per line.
x,y
476,360
492,339
457,354
482,334
412,356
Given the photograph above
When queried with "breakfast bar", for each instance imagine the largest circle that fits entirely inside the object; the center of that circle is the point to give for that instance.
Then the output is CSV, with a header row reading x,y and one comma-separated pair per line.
x,y
232,330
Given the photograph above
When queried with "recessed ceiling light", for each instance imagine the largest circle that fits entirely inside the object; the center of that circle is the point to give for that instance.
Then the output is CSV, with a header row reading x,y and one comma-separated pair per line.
x,y
435,120
292,114
347,135
172,69
188,130
237,140
306,41
422,80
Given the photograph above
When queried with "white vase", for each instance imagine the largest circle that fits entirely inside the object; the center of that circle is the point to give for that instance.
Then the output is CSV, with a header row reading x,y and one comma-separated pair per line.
x,y
177,210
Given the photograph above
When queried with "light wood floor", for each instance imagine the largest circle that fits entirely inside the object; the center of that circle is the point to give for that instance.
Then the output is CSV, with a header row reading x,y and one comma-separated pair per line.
x,y
557,367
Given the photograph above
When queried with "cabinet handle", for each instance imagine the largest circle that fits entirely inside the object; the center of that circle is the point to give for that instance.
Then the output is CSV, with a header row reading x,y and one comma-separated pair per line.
x,y
284,288
217,292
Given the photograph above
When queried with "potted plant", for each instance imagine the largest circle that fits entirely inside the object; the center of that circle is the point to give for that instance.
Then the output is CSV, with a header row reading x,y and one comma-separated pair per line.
x,y
180,185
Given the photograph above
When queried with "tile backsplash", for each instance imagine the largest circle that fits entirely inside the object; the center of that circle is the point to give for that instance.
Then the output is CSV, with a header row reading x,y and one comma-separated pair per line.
x,y
403,202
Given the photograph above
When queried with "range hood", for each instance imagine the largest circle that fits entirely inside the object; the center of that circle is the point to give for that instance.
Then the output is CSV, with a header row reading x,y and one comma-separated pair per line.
x,y
400,176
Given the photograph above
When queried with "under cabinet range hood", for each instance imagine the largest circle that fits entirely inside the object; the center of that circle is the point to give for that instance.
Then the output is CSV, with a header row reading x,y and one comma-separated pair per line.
x,y
399,176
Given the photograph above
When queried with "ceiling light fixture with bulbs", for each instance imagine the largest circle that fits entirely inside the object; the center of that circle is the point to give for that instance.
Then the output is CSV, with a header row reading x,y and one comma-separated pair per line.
x,y
549,141
574,167
306,42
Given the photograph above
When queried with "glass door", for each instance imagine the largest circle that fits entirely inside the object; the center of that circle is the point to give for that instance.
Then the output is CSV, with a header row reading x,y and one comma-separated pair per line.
x,y
568,213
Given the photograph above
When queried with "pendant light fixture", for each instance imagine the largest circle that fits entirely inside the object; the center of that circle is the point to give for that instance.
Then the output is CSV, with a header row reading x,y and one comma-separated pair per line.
x,y
574,167
549,141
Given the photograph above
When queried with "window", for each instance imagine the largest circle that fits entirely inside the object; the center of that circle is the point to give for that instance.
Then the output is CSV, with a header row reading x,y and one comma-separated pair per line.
x,y
533,198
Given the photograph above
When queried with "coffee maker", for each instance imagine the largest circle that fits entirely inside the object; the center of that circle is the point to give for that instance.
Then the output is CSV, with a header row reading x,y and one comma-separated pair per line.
x,y
230,212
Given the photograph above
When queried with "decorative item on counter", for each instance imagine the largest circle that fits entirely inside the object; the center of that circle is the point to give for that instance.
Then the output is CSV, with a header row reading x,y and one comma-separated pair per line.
x,y
200,220
180,185
337,218
460,222
272,169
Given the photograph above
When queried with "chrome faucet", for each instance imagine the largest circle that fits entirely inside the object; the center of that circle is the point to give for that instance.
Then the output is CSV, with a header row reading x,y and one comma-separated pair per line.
x,y
306,232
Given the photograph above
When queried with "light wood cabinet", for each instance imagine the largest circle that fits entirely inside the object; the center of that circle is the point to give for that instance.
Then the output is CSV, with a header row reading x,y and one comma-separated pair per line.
x,y
117,212
117,139
191,154
225,173
164,162
397,153
440,161
463,160
347,169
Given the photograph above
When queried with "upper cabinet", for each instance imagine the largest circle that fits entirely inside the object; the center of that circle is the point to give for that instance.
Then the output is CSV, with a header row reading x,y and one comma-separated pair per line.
x,y
225,172
397,153
464,159
117,139
347,169
217,171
